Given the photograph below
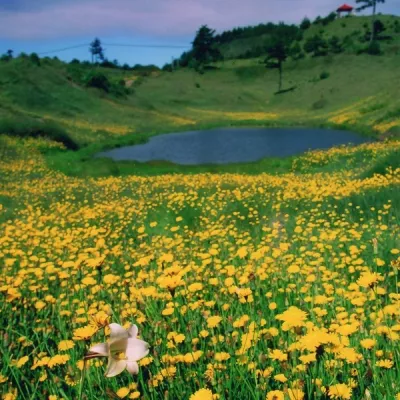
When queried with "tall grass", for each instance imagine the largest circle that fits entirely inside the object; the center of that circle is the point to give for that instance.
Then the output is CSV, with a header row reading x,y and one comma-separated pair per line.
x,y
23,127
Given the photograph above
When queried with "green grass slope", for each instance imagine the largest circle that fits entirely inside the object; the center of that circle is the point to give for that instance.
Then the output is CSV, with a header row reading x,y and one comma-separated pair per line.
x,y
350,30
359,92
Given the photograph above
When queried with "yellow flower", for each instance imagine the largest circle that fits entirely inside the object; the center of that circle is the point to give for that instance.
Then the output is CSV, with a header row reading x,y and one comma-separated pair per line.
x,y
43,376
195,287
278,355
11,395
369,279
296,394
340,391
384,364
275,395
213,322
202,394
190,358
39,305
58,359
22,361
280,378
179,338
123,392
65,345
368,343
168,311
242,252
292,318
221,357
85,332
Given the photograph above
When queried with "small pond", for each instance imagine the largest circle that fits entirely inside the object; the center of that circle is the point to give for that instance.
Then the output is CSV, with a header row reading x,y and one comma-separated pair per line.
x,y
232,145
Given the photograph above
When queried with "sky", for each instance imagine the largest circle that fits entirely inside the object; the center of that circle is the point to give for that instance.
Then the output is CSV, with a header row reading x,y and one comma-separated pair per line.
x,y
42,26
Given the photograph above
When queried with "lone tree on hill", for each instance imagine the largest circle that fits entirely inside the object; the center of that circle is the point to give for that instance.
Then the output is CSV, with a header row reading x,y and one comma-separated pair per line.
x,y
368,4
305,24
96,50
204,49
277,53
379,27
316,45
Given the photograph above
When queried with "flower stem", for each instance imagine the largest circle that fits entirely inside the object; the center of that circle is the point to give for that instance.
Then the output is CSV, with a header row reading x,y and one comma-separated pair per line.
x,y
82,380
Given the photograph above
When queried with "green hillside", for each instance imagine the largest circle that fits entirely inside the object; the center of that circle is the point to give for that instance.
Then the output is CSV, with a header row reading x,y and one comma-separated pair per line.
x,y
347,90
351,30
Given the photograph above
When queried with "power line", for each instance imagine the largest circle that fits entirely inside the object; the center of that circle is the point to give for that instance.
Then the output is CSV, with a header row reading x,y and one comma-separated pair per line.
x,y
152,46
161,46
63,49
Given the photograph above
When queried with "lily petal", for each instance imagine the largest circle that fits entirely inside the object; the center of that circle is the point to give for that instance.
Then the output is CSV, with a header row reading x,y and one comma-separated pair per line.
x,y
136,349
132,367
115,367
100,349
118,346
117,332
133,331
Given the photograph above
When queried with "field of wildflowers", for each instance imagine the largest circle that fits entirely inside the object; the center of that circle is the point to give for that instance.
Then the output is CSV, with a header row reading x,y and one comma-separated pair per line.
x,y
207,286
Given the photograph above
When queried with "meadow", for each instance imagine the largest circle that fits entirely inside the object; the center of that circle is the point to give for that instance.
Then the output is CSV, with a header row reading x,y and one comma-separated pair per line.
x,y
280,285
275,280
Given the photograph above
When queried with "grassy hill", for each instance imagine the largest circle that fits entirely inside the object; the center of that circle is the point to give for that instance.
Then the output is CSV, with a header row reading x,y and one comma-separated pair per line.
x,y
358,92
351,30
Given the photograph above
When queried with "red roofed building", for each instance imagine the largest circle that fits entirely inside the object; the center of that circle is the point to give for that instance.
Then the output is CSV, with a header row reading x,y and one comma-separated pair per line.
x,y
345,8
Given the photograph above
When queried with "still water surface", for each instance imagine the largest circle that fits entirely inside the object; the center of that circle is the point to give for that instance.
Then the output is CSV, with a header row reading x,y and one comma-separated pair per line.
x,y
232,145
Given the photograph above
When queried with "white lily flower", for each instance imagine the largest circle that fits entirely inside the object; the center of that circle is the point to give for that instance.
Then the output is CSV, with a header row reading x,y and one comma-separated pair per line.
x,y
123,350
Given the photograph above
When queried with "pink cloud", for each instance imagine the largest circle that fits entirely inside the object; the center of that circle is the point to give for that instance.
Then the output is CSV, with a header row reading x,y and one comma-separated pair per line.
x,y
160,18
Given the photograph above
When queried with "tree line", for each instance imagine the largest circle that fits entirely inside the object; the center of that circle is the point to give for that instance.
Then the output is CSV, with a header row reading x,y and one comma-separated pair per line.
x,y
281,42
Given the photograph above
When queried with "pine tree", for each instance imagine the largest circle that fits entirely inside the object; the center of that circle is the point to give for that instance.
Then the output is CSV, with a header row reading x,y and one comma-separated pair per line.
x,y
370,4
277,53
96,50
204,48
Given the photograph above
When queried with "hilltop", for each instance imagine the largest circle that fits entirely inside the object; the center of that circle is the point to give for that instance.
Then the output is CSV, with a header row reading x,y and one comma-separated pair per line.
x,y
351,31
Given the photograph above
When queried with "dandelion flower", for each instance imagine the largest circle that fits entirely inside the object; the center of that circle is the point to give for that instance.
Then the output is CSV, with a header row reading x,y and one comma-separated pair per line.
x,y
202,394
275,395
340,391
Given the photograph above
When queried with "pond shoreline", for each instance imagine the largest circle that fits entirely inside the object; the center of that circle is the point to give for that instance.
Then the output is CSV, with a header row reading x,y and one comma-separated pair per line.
x,y
229,145
83,163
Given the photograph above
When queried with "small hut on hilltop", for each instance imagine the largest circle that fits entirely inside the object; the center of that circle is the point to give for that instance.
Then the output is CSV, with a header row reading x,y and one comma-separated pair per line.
x,y
345,9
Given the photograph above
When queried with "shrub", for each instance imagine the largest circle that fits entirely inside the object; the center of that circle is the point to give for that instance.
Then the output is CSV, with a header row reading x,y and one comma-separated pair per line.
x,y
334,45
36,128
167,67
97,80
316,45
324,75
295,52
34,59
379,27
319,104
374,49
305,24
